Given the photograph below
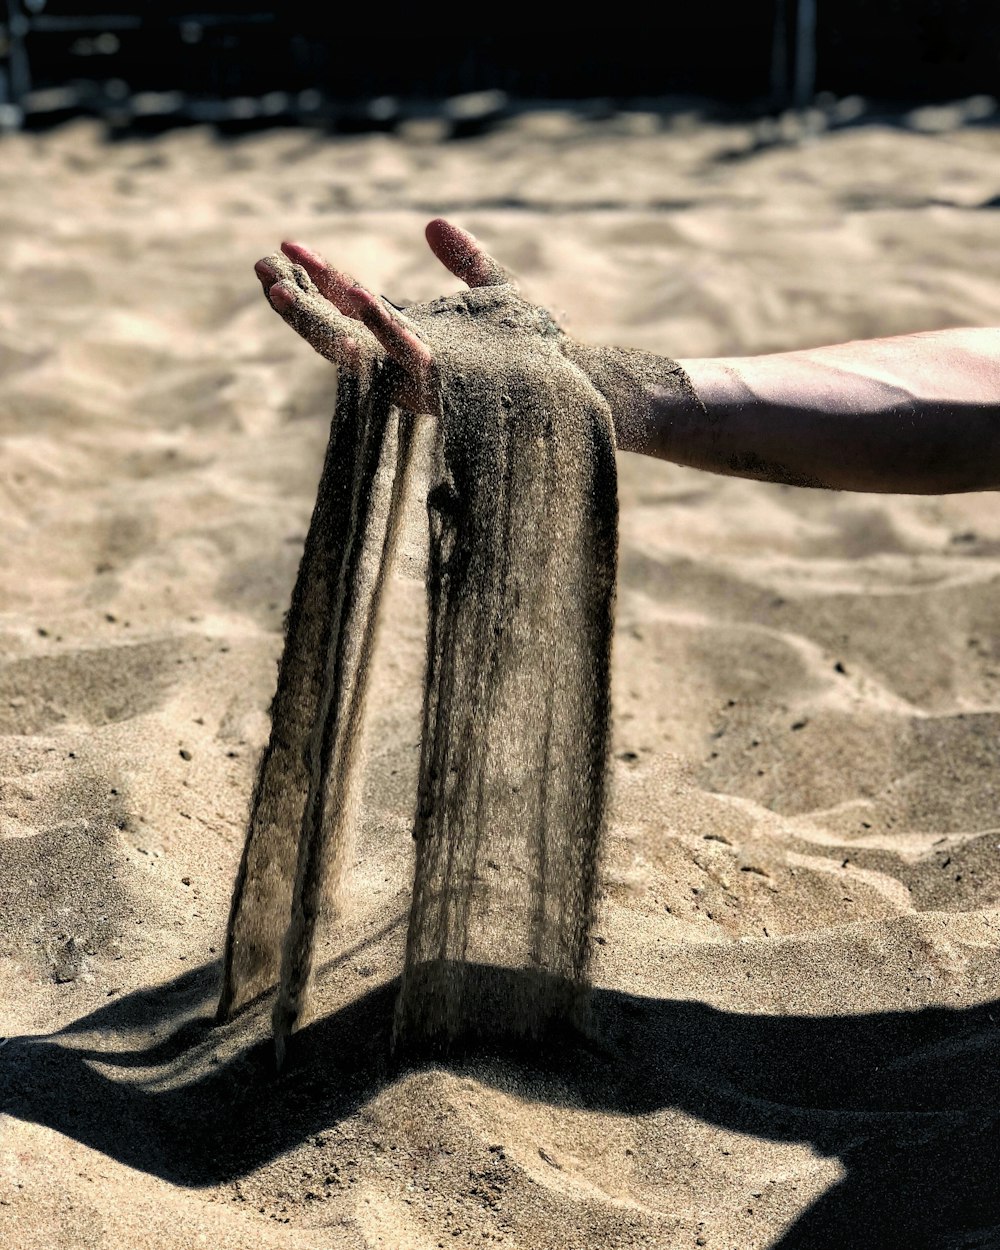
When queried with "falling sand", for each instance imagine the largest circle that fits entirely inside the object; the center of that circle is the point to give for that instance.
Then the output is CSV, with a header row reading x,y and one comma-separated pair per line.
x,y
513,776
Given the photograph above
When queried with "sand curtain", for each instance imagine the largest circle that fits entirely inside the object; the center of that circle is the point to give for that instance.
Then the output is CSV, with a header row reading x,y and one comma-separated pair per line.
x,y
302,803
511,794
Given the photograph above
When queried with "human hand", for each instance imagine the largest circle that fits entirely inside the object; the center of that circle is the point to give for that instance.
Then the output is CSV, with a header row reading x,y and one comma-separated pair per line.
x,y
350,326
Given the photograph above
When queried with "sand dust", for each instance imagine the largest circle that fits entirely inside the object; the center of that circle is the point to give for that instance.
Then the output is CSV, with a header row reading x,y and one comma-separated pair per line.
x,y
795,966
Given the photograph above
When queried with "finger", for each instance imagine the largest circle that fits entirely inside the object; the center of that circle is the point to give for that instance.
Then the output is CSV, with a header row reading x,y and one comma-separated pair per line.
x,y
331,283
280,294
282,297
397,339
267,274
461,253
322,326
335,337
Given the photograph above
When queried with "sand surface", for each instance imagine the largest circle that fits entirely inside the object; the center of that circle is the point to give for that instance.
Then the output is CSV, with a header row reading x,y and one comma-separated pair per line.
x,y
798,974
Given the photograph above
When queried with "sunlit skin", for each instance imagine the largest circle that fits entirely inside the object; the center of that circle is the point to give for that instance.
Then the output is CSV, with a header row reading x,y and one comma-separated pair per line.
x,y
914,414
457,250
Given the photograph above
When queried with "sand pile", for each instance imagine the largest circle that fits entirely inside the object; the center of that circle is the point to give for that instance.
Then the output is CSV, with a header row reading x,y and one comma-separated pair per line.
x,y
795,976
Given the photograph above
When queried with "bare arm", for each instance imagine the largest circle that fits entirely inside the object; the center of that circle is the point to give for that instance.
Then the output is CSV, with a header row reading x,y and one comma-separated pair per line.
x,y
916,414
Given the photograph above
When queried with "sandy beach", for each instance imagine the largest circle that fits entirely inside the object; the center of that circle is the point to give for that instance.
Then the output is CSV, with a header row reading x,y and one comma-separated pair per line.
x,y
797,973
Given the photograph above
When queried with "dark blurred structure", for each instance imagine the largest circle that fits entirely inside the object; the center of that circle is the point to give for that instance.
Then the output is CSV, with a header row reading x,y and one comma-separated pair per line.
x,y
241,62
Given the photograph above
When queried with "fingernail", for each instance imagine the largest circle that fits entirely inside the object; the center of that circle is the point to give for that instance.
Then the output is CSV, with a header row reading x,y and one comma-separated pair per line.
x,y
281,296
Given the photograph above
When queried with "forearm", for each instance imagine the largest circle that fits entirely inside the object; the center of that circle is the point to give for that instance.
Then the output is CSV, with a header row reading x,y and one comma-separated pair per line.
x,y
915,414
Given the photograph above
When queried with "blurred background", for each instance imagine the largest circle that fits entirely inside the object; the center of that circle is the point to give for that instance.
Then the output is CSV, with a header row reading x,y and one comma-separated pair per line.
x,y
241,64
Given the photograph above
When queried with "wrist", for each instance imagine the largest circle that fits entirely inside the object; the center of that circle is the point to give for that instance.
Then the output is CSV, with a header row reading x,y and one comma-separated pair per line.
x,y
651,397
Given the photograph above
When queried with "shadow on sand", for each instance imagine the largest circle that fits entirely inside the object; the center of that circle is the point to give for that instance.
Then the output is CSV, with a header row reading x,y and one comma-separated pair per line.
x,y
908,1101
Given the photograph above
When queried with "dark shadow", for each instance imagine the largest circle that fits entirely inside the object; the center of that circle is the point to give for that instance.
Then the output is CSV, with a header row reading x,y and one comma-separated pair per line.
x,y
908,1101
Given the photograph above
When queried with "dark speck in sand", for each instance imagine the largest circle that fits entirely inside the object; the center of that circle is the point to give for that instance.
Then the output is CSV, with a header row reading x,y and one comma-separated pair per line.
x,y
184,754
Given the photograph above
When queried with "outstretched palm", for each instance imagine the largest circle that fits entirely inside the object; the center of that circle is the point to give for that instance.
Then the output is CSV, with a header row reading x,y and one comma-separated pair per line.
x,y
344,321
